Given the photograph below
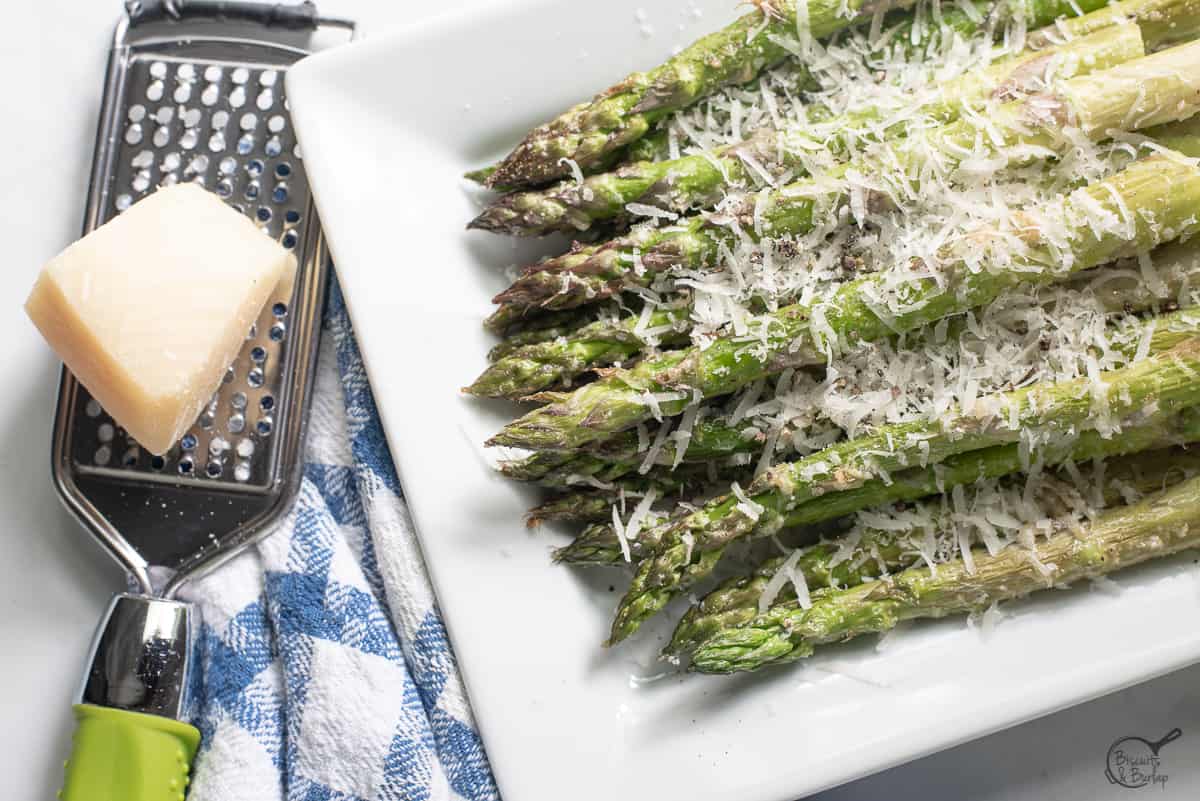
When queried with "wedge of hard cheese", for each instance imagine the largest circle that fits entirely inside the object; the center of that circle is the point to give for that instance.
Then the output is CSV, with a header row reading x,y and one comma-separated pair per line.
x,y
150,309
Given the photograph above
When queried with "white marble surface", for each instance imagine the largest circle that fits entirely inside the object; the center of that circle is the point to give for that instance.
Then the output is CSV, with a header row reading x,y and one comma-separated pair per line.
x,y
54,582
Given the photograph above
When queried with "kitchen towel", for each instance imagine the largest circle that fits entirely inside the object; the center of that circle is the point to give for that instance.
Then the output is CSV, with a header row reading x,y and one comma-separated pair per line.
x,y
324,669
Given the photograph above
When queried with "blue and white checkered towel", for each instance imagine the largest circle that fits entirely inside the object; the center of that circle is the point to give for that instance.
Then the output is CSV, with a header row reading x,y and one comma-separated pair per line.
x,y
325,671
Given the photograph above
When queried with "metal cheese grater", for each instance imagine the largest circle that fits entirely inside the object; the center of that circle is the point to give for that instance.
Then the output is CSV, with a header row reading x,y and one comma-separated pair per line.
x,y
194,92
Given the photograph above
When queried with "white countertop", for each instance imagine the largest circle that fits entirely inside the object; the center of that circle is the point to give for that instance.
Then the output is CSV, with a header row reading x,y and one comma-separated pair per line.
x,y
54,582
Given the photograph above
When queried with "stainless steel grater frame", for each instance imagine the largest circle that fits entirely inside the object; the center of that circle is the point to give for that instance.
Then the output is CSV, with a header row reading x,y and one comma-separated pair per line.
x,y
193,91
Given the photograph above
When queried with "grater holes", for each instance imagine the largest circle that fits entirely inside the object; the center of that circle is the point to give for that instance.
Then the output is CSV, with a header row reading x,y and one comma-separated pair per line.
x,y
131,456
221,134
197,166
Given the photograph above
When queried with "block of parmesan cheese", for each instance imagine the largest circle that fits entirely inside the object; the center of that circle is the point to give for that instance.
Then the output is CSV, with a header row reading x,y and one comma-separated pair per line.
x,y
150,309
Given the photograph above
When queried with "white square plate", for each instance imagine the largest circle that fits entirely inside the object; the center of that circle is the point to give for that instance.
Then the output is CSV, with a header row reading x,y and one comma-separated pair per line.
x,y
388,126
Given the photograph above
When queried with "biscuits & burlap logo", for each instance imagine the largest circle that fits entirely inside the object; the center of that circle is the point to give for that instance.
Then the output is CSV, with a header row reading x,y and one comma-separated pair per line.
x,y
1134,762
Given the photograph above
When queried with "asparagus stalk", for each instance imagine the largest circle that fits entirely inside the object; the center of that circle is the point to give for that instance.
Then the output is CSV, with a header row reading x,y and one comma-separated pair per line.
x,y
1162,524
627,111
713,439
1097,103
702,179
546,329
624,113
599,545
594,505
651,147
1164,382
735,602
1164,190
534,367
1163,23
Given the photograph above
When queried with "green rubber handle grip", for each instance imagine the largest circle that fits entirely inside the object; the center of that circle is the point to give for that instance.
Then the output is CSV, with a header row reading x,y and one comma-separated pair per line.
x,y
127,756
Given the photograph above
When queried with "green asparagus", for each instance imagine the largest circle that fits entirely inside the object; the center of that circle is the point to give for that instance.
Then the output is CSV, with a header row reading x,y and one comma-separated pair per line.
x,y
1162,383
627,111
679,185
536,366
735,602
1097,103
1164,190
598,544
1162,524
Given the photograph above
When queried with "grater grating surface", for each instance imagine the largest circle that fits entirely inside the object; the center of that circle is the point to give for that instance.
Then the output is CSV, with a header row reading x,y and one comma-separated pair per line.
x,y
226,128
191,102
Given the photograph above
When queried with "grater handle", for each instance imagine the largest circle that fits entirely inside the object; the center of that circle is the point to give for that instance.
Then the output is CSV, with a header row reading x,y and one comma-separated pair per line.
x,y
117,755
296,17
